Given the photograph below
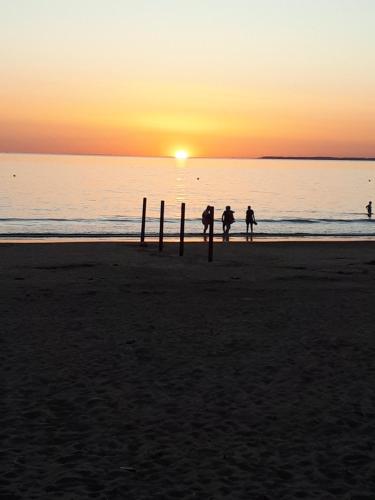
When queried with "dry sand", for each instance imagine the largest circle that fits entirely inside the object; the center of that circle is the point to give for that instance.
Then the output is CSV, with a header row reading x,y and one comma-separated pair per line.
x,y
129,374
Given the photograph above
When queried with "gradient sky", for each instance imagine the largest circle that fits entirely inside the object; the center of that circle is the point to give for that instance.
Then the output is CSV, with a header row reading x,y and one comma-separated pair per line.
x,y
214,77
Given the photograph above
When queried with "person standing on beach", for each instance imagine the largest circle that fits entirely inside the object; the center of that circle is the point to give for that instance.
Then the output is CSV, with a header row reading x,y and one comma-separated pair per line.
x,y
206,218
369,209
250,219
227,219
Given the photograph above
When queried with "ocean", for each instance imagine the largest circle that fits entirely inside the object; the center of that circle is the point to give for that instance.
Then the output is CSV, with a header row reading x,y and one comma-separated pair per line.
x,y
100,197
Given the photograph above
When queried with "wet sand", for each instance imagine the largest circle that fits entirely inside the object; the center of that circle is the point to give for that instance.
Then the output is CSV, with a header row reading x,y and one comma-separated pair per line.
x,y
129,374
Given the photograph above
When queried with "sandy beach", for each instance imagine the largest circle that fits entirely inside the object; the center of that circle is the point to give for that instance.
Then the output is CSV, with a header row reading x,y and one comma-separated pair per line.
x,y
130,374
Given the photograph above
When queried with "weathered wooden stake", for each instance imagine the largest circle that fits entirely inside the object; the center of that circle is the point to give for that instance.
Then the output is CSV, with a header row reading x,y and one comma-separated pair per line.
x,y
143,221
211,236
182,229
161,229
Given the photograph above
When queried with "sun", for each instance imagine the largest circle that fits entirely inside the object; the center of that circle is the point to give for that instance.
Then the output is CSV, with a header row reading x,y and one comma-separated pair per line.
x,y
181,154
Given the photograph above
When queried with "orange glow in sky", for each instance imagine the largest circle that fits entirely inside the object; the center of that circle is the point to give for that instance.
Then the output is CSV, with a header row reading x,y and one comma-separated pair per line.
x,y
238,82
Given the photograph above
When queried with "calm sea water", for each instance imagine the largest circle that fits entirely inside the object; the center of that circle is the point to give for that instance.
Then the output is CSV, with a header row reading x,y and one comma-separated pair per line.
x,y
57,195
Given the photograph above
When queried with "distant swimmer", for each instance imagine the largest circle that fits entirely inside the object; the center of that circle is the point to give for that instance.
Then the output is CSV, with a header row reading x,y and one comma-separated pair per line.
x,y
369,208
206,218
227,219
250,219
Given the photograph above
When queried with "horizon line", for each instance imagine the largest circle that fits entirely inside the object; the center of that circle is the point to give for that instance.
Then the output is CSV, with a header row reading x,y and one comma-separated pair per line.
x,y
262,157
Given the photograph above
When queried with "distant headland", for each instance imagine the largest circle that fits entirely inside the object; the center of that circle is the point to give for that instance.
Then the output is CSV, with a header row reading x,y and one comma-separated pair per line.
x,y
337,158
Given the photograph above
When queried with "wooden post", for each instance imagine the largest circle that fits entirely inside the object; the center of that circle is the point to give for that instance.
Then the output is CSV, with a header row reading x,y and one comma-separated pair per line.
x,y
211,236
161,228
182,229
143,221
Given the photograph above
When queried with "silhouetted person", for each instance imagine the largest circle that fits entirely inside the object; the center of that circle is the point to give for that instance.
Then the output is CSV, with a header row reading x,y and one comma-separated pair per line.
x,y
227,219
250,219
206,218
369,208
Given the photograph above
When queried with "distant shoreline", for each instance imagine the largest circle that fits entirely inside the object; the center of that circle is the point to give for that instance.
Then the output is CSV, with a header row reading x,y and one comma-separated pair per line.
x,y
321,158
266,157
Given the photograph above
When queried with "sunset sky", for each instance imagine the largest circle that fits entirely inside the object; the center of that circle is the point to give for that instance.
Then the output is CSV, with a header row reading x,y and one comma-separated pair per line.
x,y
213,77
